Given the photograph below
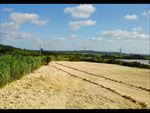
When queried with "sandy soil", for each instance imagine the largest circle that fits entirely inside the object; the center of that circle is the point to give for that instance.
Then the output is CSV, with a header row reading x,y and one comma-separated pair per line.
x,y
134,76
59,87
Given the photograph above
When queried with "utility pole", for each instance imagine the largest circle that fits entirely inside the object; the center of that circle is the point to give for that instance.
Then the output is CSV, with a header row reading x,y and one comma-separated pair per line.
x,y
40,48
120,52
84,48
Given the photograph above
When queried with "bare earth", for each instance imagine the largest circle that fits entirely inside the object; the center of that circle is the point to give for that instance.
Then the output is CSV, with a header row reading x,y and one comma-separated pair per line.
x,y
76,85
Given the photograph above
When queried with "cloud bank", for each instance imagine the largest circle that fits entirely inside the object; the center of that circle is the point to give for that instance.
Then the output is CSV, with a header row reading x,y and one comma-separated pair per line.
x,y
75,25
81,11
131,17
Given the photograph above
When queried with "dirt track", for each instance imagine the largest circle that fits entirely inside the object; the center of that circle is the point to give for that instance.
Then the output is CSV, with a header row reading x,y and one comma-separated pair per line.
x,y
79,85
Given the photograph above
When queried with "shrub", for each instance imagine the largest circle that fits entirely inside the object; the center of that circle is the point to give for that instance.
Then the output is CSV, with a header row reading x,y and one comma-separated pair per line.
x,y
15,66
4,73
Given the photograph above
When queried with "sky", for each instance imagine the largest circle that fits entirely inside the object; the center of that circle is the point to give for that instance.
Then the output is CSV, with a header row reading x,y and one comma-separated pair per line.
x,y
99,27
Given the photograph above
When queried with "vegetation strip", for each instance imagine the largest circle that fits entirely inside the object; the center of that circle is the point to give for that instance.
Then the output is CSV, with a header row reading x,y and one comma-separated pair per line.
x,y
16,66
139,87
112,90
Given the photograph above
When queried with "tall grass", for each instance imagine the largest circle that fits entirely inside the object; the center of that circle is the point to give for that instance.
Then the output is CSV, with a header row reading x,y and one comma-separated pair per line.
x,y
15,66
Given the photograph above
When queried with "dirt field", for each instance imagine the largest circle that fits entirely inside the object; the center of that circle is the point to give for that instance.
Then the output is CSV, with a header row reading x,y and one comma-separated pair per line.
x,y
79,85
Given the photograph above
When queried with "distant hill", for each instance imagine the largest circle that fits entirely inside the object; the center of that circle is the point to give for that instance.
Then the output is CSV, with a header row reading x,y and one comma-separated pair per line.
x,y
92,52
7,49
5,46
11,49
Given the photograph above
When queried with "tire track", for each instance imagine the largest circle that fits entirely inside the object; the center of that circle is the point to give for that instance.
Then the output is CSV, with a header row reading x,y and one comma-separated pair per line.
x,y
139,87
142,104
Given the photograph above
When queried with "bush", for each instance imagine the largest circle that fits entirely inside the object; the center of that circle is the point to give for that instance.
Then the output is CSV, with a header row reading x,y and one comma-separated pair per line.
x,y
47,59
15,66
74,58
4,73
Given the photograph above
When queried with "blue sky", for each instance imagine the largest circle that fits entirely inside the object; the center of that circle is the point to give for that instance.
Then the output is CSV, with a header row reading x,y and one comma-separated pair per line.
x,y
101,27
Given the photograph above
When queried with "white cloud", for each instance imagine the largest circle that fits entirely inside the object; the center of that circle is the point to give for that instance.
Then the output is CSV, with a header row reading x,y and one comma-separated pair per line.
x,y
8,9
123,34
81,11
60,39
20,18
10,31
75,25
109,40
72,36
39,22
9,26
17,19
68,38
18,35
146,13
131,17
96,38
137,29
